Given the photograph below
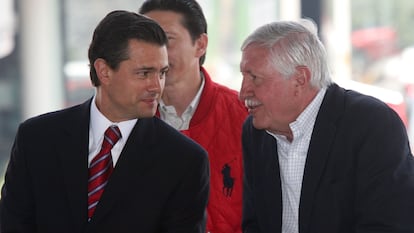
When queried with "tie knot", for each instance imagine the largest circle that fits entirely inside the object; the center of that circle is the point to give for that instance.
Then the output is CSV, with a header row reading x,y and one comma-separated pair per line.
x,y
112,135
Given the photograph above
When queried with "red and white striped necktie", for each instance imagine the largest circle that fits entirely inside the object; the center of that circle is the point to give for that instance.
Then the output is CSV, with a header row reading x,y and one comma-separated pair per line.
x,y
101,168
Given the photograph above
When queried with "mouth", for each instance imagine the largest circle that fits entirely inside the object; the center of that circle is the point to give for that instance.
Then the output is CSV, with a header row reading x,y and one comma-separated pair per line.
x,y
252,104
151,100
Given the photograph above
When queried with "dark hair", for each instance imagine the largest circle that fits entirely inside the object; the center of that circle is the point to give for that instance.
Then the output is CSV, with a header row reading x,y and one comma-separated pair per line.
x,y
111,36
193,16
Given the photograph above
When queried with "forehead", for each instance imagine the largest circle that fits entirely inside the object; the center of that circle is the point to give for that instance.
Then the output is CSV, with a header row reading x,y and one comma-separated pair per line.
x,y
168,20
255,56
146,53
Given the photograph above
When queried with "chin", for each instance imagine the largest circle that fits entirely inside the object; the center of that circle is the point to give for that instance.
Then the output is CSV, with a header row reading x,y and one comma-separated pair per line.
x,y
258,124
148,114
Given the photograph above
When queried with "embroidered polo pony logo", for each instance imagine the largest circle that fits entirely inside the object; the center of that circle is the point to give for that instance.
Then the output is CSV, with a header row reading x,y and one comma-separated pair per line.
x,y
228,181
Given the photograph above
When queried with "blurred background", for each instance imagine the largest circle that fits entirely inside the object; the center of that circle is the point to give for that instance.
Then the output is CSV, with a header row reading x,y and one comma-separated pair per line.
x,y
43,49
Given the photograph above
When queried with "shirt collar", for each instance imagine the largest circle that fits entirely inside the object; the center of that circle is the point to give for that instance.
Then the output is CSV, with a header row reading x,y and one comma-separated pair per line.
x,y
99,123
306,120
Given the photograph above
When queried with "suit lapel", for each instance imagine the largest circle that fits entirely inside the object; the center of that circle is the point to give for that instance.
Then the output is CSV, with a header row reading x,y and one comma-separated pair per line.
x,y
271,181
319,151
72,149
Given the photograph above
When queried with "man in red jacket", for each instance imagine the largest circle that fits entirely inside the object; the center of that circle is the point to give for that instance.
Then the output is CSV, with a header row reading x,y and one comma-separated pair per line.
x,y
207,112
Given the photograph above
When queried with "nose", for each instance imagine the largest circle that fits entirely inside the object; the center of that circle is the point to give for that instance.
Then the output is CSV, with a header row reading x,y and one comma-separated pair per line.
x,y
155,83
243,90
241,98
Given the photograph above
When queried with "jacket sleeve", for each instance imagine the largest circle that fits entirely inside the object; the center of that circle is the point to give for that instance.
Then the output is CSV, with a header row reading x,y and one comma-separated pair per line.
x,y
17,205
385,176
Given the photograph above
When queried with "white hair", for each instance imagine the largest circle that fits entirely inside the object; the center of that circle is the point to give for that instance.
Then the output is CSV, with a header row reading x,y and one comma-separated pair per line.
x,y
292,44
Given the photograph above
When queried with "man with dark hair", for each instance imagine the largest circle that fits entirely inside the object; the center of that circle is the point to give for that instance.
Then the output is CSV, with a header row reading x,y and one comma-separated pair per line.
x,y
146,176
206,111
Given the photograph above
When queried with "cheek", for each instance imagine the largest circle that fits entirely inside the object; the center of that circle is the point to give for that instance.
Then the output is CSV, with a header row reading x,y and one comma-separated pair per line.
x,y
267,93
172,49
273,100
133,87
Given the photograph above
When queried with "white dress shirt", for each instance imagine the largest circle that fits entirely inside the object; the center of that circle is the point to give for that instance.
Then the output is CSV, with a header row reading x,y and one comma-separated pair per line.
x,y
97,127
292,158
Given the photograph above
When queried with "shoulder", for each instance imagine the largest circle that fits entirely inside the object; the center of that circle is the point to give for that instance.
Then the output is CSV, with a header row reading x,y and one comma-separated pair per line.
x,y
51,127
349,98
367,114
365,106
170,138
56,119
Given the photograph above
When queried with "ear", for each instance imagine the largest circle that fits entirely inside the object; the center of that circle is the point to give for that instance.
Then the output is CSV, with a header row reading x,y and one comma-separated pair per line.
x,y
301,80
302,76
201,45
102,70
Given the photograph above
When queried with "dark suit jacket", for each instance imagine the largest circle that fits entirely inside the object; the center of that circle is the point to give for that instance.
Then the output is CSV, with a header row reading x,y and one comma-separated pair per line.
x,y
160,182
358,177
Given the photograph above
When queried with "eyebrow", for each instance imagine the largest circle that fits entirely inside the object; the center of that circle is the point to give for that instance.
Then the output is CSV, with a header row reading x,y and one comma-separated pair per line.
x,y
145,68
172,33
246,71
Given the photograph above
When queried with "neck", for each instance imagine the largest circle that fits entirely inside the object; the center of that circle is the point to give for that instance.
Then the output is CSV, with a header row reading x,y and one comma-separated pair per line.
x,y
287,133
180,93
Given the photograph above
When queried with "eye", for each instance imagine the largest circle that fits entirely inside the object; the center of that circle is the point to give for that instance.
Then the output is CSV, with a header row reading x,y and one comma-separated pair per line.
x,y
249,75
252,77
143,74
255,79
162,75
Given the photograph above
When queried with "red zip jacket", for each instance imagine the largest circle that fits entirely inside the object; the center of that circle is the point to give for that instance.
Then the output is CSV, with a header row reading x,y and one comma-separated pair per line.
x,y
216,125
